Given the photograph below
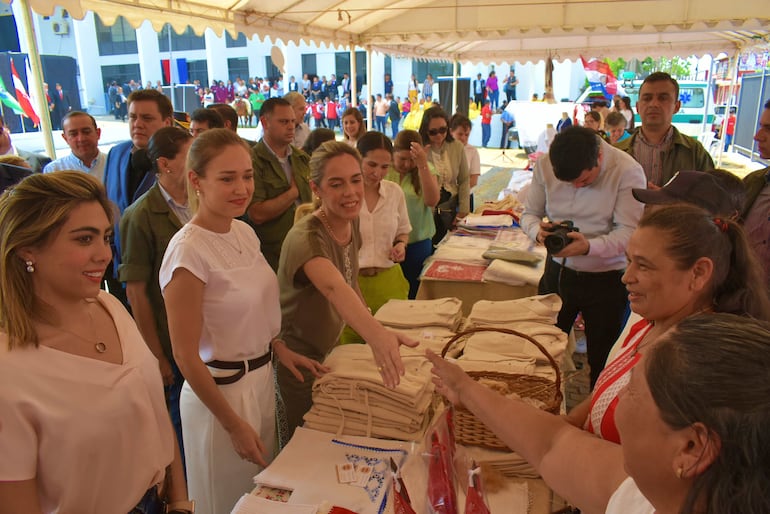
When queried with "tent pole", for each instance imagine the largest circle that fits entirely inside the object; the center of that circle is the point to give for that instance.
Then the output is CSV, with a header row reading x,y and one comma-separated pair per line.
x,y
353,78
453,108
37,68
369,106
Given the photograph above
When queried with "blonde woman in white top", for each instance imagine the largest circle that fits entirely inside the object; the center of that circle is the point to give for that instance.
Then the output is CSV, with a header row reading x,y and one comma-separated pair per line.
x,y
224,316
384,226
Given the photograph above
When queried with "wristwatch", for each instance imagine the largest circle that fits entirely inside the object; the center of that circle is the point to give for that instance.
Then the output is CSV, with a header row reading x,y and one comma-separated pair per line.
x,y
181,507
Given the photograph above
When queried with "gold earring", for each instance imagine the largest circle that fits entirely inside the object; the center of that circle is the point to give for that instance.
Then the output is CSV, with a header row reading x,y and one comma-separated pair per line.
x,y
30,266
197,192
679,472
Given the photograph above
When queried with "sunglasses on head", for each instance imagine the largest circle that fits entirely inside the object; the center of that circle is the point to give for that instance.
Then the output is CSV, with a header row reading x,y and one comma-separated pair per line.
x,y
437,131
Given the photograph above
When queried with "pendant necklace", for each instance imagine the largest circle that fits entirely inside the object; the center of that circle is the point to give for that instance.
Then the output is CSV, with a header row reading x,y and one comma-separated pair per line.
x,y
99,346
348,267
229,235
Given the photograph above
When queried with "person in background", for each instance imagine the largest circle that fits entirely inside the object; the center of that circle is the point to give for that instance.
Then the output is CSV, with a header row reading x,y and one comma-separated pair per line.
x,y
427,89
657,145
564,123
594,121
384,225
280,178
486,123
493,90
82,135
678,417
479,90
460,128
510,85
615,126
623,106
728,128
316,138
508,121
204,119
394,113
332,113
317,279
353,126
301,129
381,113
224,317
84,428
419,181
388,85
413,89
146,227
37,162
448,157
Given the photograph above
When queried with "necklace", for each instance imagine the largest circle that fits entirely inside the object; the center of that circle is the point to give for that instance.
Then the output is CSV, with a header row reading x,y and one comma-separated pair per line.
x,y
99,346
346,263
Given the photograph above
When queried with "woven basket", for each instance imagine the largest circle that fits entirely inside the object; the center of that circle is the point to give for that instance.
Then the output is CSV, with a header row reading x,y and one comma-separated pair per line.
x,y
471,431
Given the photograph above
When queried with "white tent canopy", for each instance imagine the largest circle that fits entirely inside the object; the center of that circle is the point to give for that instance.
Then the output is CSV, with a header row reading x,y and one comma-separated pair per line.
x,y
463,30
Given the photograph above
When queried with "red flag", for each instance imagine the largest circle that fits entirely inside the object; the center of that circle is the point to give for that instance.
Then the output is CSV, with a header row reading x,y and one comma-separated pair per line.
x,y
600,77
23,98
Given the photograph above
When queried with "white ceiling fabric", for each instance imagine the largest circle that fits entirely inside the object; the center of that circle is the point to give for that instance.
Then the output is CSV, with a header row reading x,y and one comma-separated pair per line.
x,y
464,30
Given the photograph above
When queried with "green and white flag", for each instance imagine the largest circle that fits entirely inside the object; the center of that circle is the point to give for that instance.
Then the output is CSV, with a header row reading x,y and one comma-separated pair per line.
x,y
9,100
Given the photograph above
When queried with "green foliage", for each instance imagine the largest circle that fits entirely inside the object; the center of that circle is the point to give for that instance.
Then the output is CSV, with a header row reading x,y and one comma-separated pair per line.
x,y
676,67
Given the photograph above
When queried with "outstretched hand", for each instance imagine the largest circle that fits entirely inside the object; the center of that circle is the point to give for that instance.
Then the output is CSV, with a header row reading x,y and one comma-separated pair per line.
x,y
387,356
449,378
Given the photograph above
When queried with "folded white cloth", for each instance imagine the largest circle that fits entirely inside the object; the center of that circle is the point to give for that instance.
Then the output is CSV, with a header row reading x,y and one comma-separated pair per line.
x,y
456,241
441,312
523,366
512,273
493,220
481,344
461,254
249,504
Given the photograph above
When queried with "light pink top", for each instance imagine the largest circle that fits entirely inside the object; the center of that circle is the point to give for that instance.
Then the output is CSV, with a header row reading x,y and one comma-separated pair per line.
x,y
95,434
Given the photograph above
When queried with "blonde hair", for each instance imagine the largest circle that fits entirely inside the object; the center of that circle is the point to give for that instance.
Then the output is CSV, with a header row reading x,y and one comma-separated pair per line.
x,y
205,148
15,160
321,157
31,212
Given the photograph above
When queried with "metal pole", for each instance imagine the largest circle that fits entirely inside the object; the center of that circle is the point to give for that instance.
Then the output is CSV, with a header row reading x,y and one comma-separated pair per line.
x,y
733,81
453,108
353,78
37,68
369,106
171,67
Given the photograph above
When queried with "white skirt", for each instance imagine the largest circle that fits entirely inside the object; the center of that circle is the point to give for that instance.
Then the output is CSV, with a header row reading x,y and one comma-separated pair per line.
x,y
216,476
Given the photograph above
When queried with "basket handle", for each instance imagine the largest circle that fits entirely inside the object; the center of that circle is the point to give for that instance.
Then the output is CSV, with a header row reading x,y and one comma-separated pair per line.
x,y
539,346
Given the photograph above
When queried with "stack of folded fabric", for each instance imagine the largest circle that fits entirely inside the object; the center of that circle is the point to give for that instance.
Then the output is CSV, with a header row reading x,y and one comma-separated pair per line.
x,y
533,316
442,312
352,400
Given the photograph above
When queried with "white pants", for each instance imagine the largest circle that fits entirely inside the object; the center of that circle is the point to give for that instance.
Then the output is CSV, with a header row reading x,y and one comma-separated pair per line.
x,y
216,476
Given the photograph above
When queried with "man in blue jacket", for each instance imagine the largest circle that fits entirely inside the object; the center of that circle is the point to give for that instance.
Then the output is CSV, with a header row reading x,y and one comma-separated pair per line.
x,y
128,171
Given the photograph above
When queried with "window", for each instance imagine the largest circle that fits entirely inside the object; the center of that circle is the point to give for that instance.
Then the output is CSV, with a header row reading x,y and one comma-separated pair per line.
x,y
692,97
388,65
238,67
309,65
117,39
235,43
187,40
121,73
273,73
198,70
437,69
342,62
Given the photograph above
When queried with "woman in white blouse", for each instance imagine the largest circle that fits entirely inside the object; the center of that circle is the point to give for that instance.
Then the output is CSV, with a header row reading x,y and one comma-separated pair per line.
x,y
384,226
224,316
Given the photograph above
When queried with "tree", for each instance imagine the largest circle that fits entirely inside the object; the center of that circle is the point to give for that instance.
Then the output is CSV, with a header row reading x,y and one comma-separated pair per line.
x,y
676,67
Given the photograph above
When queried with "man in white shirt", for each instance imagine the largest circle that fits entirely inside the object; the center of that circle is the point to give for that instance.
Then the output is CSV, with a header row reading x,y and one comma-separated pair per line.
x,y
301,129
82,135
587,181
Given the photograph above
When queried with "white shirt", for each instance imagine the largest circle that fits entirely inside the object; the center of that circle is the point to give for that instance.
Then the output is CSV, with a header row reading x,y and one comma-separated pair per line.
x,y
182,212
628,499
605,211
474,160
380,227
241,311
301,133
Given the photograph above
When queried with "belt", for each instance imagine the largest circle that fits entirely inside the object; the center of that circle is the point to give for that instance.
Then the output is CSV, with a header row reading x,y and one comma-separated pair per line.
x,y
371,272
596,274
243,367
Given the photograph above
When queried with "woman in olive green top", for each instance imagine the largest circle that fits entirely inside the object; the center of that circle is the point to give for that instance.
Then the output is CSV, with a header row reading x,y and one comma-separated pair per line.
x,y
145,230
317,278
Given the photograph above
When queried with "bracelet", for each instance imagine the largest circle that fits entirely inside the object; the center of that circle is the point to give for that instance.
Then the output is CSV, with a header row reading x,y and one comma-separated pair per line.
x,y
182,506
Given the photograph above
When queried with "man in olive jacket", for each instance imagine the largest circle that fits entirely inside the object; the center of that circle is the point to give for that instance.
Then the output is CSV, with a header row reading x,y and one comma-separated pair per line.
x,y
657,145
281,178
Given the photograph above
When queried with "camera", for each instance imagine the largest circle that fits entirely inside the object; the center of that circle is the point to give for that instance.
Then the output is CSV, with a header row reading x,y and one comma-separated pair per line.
x,y
558,239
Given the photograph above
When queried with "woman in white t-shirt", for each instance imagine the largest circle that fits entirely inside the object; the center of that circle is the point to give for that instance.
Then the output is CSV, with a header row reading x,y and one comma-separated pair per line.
x,y
223,314
694,424
83,421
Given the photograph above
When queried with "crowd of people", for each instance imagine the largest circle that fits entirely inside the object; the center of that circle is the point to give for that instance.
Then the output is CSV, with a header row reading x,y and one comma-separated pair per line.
x,y
234,267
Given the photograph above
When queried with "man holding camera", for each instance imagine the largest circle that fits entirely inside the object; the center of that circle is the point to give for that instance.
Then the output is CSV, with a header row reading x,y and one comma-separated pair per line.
x,y
586,181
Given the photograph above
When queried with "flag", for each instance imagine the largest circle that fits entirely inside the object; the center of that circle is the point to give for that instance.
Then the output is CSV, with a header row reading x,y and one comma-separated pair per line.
x,y
600,77
23,97
8,99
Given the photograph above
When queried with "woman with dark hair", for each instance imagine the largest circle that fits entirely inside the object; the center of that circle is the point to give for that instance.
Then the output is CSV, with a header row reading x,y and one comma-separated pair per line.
x,y
84,421
448,157
419,181
224,317
353,126
384,225
316,138
681,261
317,276
627,111
694,420
146,228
